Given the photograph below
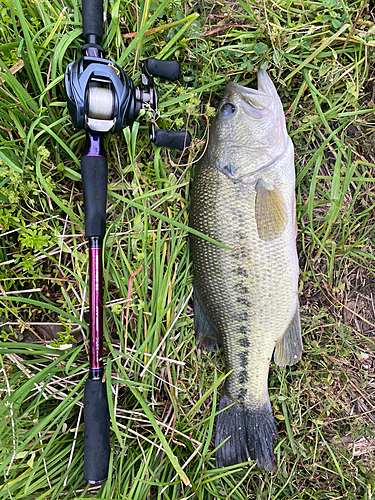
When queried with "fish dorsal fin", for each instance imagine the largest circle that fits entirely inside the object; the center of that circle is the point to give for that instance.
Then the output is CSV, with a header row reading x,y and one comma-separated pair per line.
x,y
289,347
270,212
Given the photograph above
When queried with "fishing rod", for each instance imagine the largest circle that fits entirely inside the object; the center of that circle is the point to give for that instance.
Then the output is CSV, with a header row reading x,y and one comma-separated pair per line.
x,y
101,99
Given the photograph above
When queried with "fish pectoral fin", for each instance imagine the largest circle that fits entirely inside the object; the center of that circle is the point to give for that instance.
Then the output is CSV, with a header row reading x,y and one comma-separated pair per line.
x,y
289,347
207,337
270,212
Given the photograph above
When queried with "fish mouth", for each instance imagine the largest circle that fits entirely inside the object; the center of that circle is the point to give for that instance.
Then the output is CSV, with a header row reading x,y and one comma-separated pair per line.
x,y
256,102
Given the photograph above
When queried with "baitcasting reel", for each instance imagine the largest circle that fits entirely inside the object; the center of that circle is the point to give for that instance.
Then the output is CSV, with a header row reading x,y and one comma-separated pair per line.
x,y
100,97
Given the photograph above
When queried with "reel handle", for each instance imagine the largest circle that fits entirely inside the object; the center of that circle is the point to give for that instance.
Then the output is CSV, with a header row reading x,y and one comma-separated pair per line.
x,y
92,18
169,69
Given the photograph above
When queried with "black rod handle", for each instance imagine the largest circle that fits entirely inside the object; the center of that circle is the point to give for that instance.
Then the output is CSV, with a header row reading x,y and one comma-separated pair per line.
x,y
97,437
92,18
94,171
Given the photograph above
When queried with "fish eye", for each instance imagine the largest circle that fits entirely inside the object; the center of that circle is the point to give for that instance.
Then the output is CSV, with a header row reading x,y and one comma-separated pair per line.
x,y
227,109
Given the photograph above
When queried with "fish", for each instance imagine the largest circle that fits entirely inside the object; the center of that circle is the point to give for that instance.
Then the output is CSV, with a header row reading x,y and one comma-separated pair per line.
x,y
246,289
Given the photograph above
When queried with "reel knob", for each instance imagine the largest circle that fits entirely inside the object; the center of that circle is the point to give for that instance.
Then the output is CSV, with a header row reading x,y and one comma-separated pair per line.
x,y
169,69
174,139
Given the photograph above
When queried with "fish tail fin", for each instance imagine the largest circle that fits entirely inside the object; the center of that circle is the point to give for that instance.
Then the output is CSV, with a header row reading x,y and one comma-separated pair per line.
x,y
251,433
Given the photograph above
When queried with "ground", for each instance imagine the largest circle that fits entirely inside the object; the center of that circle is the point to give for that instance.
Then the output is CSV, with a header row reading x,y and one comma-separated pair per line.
x,y
163,393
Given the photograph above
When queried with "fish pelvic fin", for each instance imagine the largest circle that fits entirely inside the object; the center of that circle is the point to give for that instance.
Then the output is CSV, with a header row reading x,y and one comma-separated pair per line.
x,y
270,212
251,434
207,336
289,347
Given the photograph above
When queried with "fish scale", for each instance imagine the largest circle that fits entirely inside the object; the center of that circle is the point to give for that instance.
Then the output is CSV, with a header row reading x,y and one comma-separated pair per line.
x,y
246,296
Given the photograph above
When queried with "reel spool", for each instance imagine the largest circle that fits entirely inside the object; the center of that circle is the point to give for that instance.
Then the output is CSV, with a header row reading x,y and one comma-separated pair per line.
x,y
100,103
100,109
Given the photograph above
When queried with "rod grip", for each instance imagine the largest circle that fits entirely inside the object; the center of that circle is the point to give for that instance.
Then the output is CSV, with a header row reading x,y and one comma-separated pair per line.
x,y
97,439
92,18
94,171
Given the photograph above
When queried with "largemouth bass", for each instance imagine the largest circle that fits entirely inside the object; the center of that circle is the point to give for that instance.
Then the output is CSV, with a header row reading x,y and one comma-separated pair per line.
x,y
245,298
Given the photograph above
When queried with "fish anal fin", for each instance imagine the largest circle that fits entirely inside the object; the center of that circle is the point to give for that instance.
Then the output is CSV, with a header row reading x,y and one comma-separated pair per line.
x,y
289,347
270,212
251,434
207,337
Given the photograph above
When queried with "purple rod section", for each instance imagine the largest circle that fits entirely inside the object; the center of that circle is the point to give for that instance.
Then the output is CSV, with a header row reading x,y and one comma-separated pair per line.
x,y
96,307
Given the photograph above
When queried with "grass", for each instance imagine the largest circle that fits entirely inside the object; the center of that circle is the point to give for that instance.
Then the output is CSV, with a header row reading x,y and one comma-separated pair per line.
x,y
163,393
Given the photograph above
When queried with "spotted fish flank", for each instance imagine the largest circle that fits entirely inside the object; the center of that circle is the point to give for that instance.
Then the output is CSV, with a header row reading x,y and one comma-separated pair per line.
x,y
245,298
